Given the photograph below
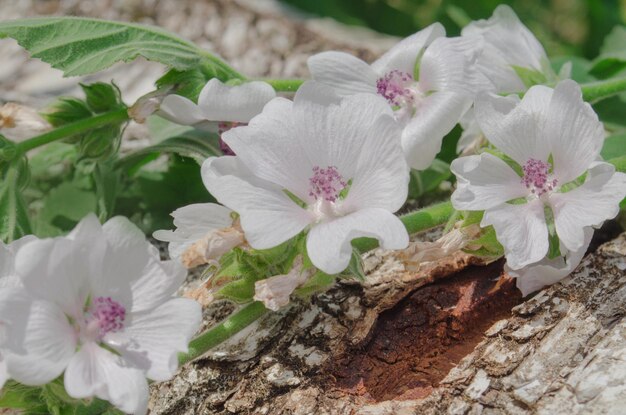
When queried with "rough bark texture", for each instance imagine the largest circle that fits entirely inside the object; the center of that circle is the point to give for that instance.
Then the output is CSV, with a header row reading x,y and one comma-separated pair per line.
x,y
440,340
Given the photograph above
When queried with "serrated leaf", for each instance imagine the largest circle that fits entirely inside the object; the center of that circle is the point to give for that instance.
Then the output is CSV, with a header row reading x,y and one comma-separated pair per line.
x,y
80,46
14,221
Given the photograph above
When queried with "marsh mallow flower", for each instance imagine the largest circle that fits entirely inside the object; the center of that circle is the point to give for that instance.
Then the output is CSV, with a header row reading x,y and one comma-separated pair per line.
x,y
428,80
333,167
204,232
556,176
100,310
220,107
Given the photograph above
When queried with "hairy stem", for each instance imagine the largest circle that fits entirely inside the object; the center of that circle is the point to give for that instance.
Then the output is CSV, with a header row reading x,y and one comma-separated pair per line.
x,y
285,85
595,91
223,331
74,128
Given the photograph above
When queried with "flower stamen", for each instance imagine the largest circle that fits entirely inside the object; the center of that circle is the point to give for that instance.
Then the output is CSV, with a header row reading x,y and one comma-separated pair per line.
x,y
326,183
396,87
105,315
536,177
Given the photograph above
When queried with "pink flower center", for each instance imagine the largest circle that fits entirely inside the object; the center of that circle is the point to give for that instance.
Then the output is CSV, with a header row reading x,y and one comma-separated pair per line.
x,y
222,127
326,183
536,177
396,87
105,315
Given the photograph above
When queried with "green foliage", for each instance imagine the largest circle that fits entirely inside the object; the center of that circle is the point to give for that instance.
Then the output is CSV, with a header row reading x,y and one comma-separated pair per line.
x,y
80,46
530,77
14,222
428,180
614,146
612,58
355,267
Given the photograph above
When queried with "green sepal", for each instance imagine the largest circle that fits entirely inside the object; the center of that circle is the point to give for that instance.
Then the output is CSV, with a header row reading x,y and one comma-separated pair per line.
x,y
355,267
489,244
529,77
508,160
102,97
66,110
472,217
554,250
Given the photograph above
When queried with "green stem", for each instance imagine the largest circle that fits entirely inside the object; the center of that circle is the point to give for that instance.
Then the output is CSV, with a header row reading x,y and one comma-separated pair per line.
x,y
223,331
417,221
286,85
74,128
595,91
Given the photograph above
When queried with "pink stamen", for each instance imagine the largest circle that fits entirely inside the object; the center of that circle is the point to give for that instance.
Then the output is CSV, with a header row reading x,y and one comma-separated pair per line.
x,y
106,315
395,87
222,127
326,183
536,177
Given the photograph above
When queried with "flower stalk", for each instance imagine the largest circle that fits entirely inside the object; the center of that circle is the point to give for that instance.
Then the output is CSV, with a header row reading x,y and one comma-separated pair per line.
x,y
73,128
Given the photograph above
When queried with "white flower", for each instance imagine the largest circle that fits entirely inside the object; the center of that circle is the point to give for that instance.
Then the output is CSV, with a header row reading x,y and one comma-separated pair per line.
x,y
555,138
18,122
506,44
275,291
101,309
219,103
428,79
10,329
549,271
341,159
204,232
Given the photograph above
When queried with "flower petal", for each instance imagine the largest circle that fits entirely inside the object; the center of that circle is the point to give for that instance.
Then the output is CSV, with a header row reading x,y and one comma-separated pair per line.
x,y
235,103
134,267
404,54
268,216
507,43
48,345
549,271
4,374
435,117
180,110
329,244
574,131
192,223
522,231
94,371
446,66
516,128
154,338
484,182
590,204
346,74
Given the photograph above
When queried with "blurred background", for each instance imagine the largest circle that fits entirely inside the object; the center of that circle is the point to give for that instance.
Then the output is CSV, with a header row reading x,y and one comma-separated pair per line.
x,y
565,27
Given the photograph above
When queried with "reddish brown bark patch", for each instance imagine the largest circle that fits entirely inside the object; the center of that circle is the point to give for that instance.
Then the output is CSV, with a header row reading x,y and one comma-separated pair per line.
x,y
415,344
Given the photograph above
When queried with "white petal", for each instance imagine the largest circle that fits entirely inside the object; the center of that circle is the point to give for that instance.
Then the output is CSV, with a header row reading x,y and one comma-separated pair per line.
x,y
446,66
549,271
471,131
435,117
403,55
48,345
346,74
522,231
328,244
238,103
507,42
134,268
4,374
192,223
517,129
15,305
590,204
574,130
94,371
58,270
154,338
484,182
268,216
180,110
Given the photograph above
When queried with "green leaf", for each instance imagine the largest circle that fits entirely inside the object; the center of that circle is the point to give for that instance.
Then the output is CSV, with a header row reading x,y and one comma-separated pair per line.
x,y
80,46
107,181
28,398
52,160
102,97
194,144
14,222
426,181
63,208
355,267
612,58
614,146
